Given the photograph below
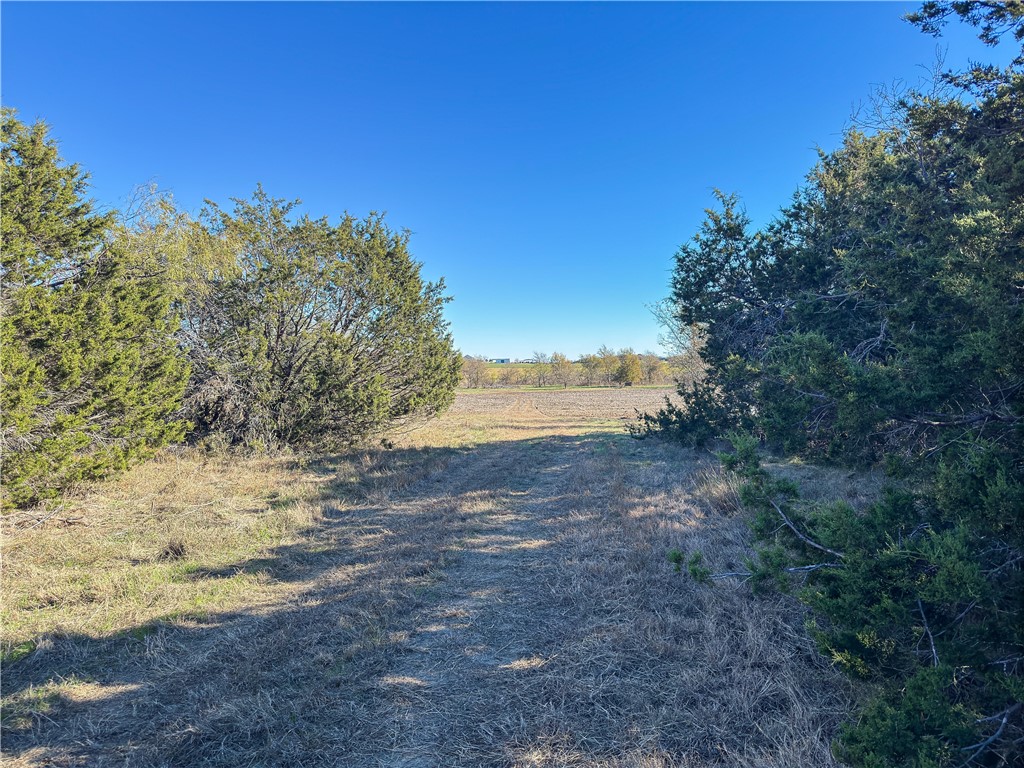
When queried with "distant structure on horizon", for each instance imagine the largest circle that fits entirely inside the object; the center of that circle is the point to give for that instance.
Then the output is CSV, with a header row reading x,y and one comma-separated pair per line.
x,y
499,360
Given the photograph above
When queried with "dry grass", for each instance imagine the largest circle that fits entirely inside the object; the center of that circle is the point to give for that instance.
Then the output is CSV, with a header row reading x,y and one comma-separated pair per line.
x,y
494,591
716,489
823,484
141,549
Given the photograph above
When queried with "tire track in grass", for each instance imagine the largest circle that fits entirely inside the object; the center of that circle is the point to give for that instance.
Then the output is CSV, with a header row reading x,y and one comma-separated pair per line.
x,y
488,619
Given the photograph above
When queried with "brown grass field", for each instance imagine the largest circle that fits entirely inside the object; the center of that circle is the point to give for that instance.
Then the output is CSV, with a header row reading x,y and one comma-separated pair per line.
x,y
493,591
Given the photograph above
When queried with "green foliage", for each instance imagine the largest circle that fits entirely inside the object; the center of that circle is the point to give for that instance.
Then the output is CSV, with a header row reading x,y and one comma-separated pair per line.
x,y
697,570
995,19
630,370
47,224
847,326
879,319
703,416
694,564
677,557
262,330
91,373
562,370
892,734
921,593
315,334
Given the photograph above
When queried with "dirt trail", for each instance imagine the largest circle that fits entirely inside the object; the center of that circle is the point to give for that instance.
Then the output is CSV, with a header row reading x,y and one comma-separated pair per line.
x,y
557,633
506,602
492,617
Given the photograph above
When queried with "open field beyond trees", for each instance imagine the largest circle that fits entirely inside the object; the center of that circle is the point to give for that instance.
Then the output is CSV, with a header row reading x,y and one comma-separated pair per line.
x,y
494,590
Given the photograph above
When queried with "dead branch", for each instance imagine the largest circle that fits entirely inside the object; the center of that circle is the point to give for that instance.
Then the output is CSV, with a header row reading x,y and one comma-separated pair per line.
x,y
792,569
863,350
731,574
981,746
805,539
928,634
810,568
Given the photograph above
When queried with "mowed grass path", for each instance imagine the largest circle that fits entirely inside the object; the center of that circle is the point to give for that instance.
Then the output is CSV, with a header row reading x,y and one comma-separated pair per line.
x,y
493,591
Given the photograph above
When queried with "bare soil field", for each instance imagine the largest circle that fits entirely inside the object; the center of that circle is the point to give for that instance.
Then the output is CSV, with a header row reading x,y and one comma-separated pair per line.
x,y
491,591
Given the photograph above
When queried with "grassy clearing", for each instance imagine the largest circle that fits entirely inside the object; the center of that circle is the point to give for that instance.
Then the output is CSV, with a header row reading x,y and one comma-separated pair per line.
x,y
493,591
175,539
171,547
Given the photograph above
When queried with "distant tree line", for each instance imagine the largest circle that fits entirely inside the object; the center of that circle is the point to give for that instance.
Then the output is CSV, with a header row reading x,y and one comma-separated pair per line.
x,y
605,368
122,332
879,320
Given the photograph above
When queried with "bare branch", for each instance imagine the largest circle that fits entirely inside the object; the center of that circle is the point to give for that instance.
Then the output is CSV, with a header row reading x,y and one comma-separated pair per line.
x,y
928,634
937,420
810,568
981,746
731,574
809,542
793,569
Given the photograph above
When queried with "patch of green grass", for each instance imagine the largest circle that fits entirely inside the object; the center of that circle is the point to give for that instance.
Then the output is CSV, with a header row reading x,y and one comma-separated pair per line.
x,y
279,502
28,707
17,652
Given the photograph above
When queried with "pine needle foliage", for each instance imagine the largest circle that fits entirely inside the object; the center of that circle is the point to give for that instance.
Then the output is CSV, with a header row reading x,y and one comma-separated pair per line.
x,y
879,320
122,333
91,372
315,335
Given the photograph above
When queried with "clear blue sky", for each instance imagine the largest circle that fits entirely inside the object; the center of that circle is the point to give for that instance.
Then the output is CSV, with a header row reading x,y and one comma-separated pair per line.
x,y
548,158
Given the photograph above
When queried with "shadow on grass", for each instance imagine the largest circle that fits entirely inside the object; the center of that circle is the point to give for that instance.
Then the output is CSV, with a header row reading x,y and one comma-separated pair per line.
x,y
297,682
